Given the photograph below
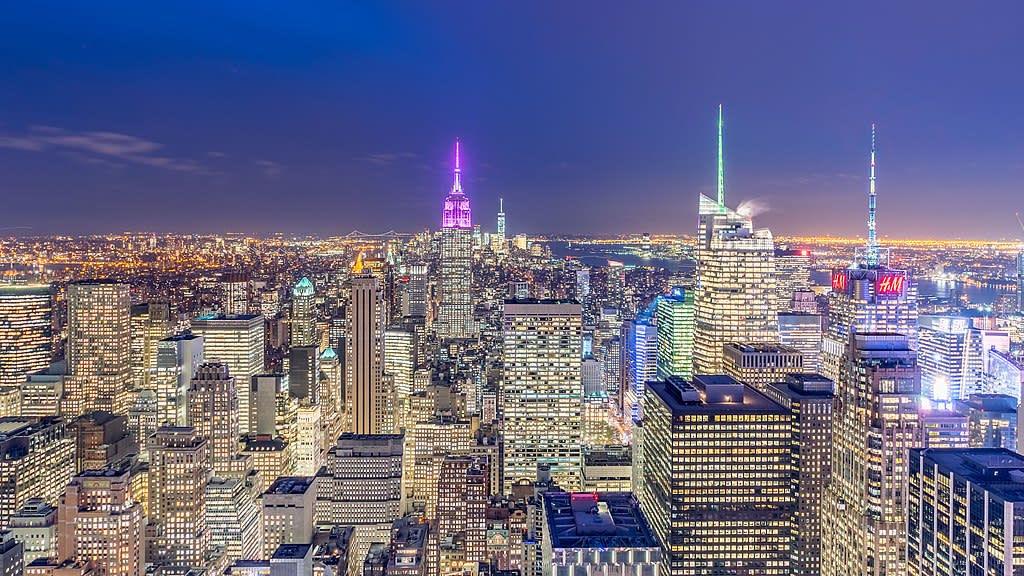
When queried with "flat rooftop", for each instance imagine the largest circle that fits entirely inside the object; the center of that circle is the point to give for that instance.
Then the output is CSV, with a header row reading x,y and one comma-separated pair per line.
x,y
761,348
291,485
997,470
683,397
596,520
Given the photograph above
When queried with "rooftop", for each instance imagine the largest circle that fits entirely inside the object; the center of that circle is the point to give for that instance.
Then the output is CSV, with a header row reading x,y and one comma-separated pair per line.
x,y
714,393
989,403
997,470
596,520
761,348
291,551
291,485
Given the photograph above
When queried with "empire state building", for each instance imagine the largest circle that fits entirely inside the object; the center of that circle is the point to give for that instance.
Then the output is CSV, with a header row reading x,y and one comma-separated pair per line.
x,y
455,316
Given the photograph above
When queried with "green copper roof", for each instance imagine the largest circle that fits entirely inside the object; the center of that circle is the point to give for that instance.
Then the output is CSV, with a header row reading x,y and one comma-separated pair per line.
x,y
304,287
328,354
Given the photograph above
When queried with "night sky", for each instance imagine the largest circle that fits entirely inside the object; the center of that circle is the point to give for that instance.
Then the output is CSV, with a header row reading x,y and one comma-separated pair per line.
x,y
587,117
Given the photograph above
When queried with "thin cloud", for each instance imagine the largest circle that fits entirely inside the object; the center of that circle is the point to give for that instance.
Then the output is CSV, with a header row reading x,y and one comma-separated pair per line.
x,y
98,145
270,168
389,158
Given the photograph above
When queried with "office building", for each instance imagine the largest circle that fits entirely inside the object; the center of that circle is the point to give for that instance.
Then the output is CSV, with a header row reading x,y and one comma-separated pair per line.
x,y
640,362
26,331
271,456
304,373
607,469
597,533
463,493
761,364
1020,282
877,421
942,428
35,526
868,297
289,508
235,293
37,459
992,420
809,399
414,297
213,414
361,486
943,353
42,393
735,298
717,477
792,274
542,393
303,321
965,512
151,322
102,440
98,349
1005,374
233,517
675,319
308,439
407,555
367,402
177,359
101,522
802,331
238,342
264,391
455,314
400,360
177,535
12,555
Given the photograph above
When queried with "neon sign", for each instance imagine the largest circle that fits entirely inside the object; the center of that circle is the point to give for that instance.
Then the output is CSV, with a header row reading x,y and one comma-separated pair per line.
x,y
839,281
889,284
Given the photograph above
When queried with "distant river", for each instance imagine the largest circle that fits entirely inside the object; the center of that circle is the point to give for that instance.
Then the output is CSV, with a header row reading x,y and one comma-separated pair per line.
x,y
600,254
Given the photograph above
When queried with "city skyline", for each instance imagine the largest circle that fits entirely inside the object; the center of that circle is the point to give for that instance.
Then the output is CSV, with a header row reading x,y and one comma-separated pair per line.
x,y
609,127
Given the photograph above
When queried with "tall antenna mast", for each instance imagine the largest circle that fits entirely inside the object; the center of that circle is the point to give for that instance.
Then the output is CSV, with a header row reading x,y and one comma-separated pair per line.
x,y
872,253
721,165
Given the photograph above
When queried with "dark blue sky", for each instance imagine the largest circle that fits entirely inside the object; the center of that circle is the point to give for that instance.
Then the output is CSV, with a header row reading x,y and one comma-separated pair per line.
x,y
587,117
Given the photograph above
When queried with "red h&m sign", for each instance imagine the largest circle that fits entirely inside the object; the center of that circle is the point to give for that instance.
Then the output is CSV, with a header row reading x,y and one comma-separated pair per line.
x,y
890,284
839,281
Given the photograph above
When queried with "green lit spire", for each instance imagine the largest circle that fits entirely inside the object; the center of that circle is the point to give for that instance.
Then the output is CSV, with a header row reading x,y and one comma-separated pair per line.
x,y
721,164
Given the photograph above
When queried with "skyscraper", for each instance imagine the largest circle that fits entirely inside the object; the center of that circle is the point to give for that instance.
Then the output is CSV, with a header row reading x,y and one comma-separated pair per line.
x,y
102,522
177,359
542,393
151,322
238,341
365,396
675,319
455,317
361,486
802,330
176,534
37,459
26,333
761,364
735,299
414,297
213,414
303,313
236,293
809,399
792,274
98,352
877,421
1020,282
868,296
641,362
943,342
965,512
716,480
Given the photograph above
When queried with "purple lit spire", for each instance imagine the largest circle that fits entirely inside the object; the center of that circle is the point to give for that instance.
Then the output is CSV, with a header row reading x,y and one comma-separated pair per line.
x,y
456,212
